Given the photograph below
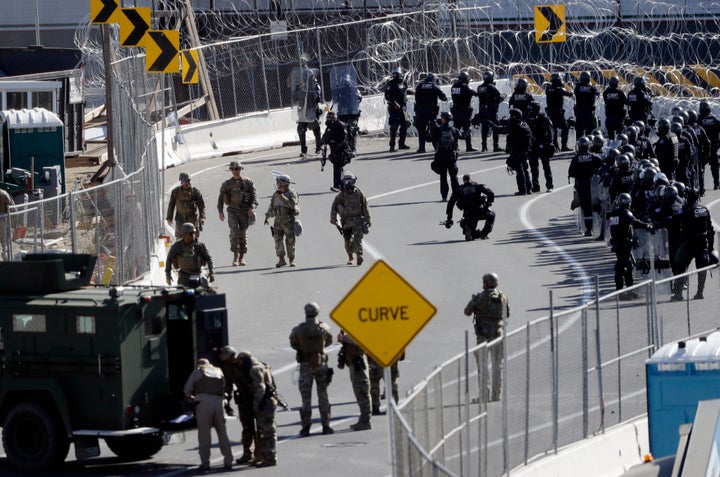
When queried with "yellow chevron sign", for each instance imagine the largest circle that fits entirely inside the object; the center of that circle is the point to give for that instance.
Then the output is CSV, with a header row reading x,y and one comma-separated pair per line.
x,y
189,66
550,24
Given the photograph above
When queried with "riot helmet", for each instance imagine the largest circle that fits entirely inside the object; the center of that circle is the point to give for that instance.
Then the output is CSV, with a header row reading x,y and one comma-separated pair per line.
x,y
663,126
627,149
556,79
534,108
612,155
429,78
670,194
614,81
680,186
446,116
640,126
312,309
639,82
704,108
488,77
583,144
623,139
463,77
521,85
623,200
584,78
676,128
623,162
678,118
692,117
598,142
597,132
631,133
491,279
515,115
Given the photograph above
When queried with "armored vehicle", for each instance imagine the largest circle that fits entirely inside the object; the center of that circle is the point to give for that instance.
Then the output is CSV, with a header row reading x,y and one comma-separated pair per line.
x,y
79,363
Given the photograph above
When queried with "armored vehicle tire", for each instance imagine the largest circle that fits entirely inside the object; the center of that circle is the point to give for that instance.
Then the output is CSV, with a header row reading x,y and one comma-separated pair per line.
x,y
135,447
32,438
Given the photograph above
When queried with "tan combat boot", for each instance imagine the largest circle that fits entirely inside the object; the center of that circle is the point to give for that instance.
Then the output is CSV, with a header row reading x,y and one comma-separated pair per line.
x,y
281,262
235,259
241,259
292,261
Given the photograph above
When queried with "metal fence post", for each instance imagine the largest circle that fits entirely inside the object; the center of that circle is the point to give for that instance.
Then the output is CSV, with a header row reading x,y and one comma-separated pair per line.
x,y
619,350
71,212
554,373
527,391
467,448
584,340
598,353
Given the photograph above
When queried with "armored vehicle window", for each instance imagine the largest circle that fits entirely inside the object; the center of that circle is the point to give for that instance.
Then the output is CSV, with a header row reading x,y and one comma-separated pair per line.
x,y
29,323
154,318
178,312
85,325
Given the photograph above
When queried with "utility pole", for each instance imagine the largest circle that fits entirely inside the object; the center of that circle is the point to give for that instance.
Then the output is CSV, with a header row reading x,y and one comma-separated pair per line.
x,y
107,60
202,68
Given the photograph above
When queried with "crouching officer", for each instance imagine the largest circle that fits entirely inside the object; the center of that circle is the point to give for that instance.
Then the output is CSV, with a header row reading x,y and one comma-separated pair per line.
x,y
309,340
474,200
360,379
188,256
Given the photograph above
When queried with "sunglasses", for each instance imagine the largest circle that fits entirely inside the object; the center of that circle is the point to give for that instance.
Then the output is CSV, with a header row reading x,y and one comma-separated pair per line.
x,y
234,168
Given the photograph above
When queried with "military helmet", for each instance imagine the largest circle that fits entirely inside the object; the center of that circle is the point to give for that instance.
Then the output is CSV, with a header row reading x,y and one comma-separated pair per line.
x,y
446,116
704,107
584,77
491,279
521,85
227,352
515,114
429,78
663,126
463,77
623,200
488,77
639,81
184,177
556,79
187,228
583,144
676,128
348,179
312,309
283,179
614,81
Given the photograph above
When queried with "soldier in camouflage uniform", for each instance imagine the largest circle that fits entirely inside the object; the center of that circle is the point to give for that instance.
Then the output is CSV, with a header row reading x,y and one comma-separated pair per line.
x,y
360,379
187,205
243,395
489,308
188,256
5,202
238,194
351,205
377,373
264,405
284,206
309,340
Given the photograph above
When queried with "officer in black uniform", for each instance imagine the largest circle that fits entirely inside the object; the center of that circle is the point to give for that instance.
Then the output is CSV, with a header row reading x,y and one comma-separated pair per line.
x,y
638,101
699,240
555,94
396,91
519,141
445,162
622,222
585,96
711,124
666,149
475,201
489,100
427,95
542,147
520,98
683,171
623,179
336,136
461,109
582,167
615,101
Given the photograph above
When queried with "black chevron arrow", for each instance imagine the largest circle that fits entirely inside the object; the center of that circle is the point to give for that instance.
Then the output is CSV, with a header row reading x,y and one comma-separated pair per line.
x,y
139,27
556,23
168,53
192,66
109,6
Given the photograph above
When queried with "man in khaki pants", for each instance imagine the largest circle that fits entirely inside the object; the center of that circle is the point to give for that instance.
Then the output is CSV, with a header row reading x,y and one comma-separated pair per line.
x,y
205,387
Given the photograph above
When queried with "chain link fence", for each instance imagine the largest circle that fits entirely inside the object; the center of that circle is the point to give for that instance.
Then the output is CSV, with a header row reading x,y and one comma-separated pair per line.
x,y
567,377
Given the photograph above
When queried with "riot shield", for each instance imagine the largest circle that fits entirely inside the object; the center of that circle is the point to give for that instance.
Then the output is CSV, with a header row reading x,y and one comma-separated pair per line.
x,y
305,94
345,94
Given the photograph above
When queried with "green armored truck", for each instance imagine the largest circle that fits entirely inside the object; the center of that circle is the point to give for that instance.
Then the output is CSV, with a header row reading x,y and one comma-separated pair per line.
x,y
79,363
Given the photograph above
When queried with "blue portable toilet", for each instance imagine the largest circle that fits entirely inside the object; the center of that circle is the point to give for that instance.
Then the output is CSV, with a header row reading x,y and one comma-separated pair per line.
x,y
679,375
31,140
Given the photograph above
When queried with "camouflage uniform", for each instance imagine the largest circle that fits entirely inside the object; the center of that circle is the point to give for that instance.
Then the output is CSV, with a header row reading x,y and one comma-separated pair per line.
x,y
309,339
264,405
189,259
240,198
359,377
205,387
5,202
188,205
284,206
351,206
377,373
487,308
238,375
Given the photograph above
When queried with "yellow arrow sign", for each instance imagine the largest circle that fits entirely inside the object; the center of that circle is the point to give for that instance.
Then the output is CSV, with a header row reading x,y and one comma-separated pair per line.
x,y
189,60
134,23
101,11
383,313
550,24
162,48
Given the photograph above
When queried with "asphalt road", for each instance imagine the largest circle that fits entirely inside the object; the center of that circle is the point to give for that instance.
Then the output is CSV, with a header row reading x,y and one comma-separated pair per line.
x,y
534,248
